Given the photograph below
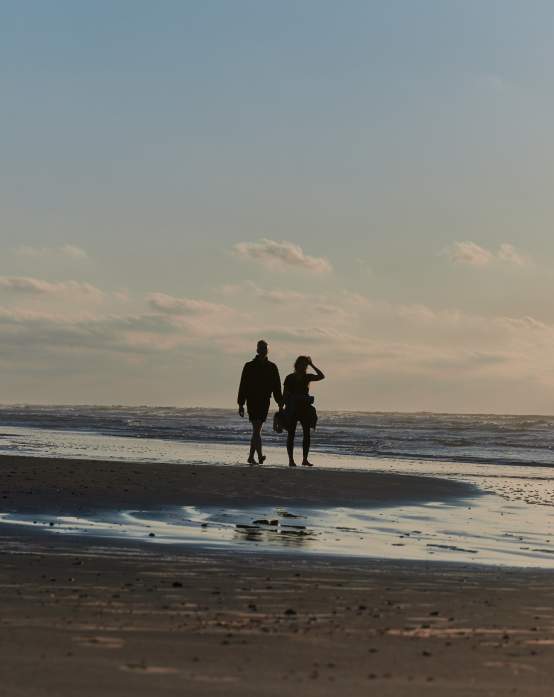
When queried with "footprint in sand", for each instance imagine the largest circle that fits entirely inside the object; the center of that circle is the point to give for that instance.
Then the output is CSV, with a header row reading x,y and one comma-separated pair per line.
x,y
212,678
100,642
516,668
152,670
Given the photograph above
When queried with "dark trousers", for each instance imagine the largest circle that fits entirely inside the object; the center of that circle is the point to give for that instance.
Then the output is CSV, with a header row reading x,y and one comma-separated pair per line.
x,y
306,440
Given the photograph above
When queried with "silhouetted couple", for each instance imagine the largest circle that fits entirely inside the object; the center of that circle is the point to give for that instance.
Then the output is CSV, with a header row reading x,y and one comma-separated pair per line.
x,y
260,379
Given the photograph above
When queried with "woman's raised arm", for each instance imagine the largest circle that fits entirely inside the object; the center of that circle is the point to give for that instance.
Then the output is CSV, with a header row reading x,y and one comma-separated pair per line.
x,y
318,373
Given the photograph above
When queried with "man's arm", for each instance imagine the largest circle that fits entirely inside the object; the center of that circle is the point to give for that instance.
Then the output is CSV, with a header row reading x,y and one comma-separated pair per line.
x,y
243,389
277,393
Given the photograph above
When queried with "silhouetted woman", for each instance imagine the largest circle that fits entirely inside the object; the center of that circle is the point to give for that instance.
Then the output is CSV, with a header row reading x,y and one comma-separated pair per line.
x,y
298,404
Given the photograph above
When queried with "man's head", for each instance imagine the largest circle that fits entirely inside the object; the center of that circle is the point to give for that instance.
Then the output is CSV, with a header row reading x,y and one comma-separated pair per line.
x,y
262,348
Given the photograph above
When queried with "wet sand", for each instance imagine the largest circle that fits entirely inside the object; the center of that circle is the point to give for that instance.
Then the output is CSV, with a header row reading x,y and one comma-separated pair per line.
x,y
90,617
75,486
109,620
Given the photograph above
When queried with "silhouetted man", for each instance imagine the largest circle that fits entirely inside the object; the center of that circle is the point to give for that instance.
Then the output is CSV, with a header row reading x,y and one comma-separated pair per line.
x,y
260,379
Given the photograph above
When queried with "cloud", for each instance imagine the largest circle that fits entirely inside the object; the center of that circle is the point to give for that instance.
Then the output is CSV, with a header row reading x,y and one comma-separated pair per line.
x,y
469,253
473,254
276,296
122,295
36,286
283,297
184,306
133,332
281,256
25,333
70,251
507,252
379,353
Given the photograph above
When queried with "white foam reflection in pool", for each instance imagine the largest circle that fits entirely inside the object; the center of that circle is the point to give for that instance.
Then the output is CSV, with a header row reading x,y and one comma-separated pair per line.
x,y
487,530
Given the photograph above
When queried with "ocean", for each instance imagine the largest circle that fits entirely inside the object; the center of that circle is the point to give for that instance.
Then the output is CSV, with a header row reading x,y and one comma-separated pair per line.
x,y
468,438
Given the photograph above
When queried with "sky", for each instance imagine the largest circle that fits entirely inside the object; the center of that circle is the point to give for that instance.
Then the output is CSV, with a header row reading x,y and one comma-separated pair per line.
x,y
367,182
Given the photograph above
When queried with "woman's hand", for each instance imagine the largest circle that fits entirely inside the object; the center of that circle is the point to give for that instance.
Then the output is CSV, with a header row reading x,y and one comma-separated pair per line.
x,y
318,373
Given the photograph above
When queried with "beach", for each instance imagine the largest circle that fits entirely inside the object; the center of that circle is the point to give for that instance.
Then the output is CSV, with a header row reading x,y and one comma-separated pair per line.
x,y
88,614
107,619
72,486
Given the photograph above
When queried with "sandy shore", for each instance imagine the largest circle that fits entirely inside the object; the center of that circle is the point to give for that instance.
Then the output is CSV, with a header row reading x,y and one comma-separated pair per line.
x,y
90,617
108,620
77,486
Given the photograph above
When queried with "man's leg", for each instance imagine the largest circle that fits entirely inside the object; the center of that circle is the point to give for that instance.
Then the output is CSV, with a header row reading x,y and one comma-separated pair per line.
x,y
252,445
258,439
255,441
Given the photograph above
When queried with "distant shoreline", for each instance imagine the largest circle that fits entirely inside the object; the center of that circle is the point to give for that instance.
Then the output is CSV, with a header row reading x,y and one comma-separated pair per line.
x,y
196,407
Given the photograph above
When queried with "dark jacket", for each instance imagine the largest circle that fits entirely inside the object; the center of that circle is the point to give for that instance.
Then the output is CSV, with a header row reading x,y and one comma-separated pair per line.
x,y
260,379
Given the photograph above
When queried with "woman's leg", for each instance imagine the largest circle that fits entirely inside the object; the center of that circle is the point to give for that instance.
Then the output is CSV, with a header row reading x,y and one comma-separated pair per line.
x,y
306,442
290,442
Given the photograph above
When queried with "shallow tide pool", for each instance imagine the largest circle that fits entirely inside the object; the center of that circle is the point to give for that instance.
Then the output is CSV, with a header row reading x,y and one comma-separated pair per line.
x,y
485,530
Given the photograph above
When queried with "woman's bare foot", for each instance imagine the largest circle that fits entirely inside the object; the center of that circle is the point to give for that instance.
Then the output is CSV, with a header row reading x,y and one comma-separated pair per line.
x,y
306,463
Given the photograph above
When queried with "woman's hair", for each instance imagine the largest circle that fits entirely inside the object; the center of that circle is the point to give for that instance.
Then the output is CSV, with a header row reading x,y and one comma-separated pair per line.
x,y
301,363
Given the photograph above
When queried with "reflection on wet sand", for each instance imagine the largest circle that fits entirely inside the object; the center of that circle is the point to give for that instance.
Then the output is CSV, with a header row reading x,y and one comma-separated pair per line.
x,y
274,531
254,533
483,530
